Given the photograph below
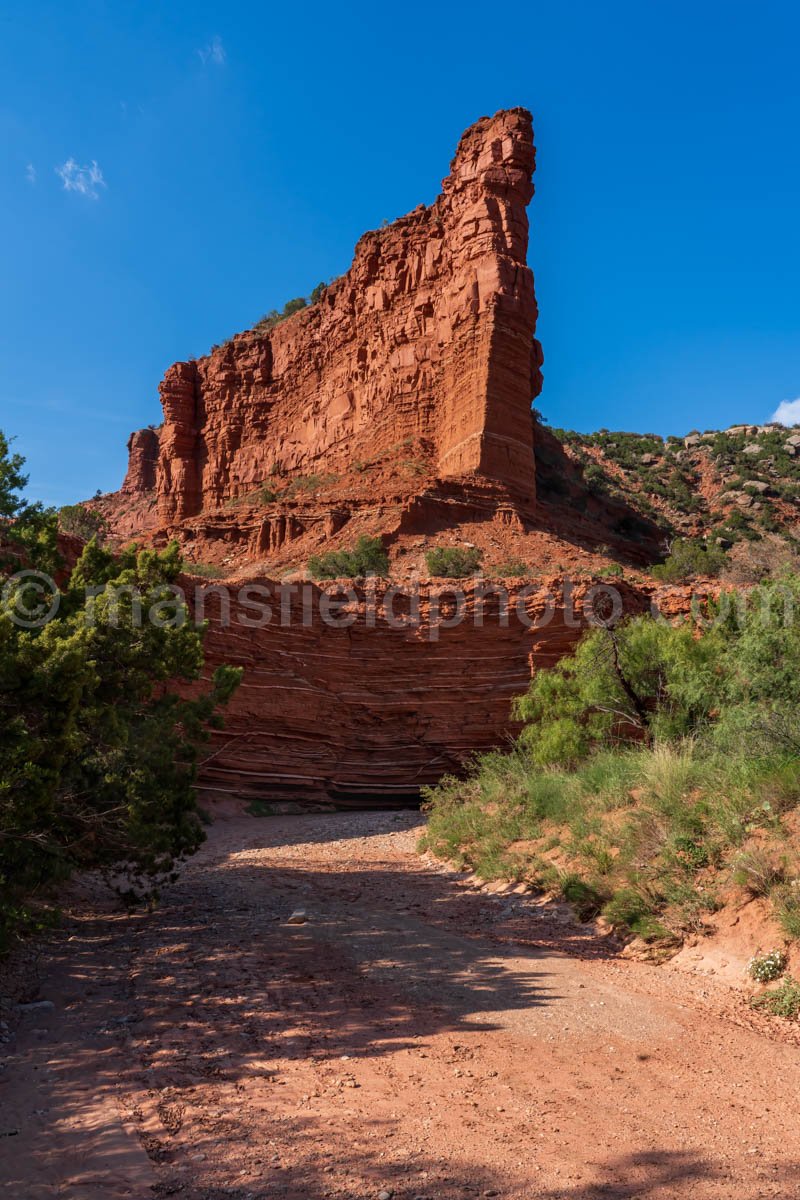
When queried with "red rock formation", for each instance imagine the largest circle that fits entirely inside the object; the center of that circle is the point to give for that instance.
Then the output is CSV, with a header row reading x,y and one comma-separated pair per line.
x,y
399,405
359,710
142,462
428,337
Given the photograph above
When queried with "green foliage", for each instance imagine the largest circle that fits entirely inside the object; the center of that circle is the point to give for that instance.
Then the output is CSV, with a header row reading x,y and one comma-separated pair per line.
x,y
97,748
638,681
453,562
206,570
651,757
765,968
368,557
317,293
786,901
80,521
28,532
308,483
586,900
756,872
275,316
596,477
614,464
512,568
628,908
688,559
12,480
782,1001
293,306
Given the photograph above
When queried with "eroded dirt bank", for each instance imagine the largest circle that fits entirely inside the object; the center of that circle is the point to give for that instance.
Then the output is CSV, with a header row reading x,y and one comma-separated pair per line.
x,y
414,1037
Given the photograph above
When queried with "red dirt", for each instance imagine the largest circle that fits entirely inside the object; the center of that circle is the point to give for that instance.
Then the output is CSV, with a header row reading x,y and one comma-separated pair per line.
x,y
415,1036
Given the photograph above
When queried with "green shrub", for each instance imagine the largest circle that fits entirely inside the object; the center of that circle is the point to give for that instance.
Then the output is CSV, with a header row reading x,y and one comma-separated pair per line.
x,y
782,1001
98,747
688,559
453,562
293,306
585,899
626,907
274,316
368,557
317,293
81,522
309,483
757,872
512,568
765,968
206,570
786,902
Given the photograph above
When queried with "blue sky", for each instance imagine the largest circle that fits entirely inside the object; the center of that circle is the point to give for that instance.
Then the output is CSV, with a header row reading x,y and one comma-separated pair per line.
x,y
168,173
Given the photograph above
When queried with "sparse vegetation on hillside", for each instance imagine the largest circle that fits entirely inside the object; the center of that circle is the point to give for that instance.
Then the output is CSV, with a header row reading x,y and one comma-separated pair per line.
x,y
368,557
512,568
307,483
206,570
656,767
276,315
726,488
453,562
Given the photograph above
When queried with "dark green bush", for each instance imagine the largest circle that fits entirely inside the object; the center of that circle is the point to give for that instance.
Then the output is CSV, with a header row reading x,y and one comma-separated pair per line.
x,y
512,568
688,559
782,1001
453,562
368,557
97,747
80,521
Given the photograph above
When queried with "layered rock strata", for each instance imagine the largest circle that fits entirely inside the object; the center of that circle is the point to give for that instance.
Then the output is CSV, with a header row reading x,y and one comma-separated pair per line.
x,y
362,697
428,337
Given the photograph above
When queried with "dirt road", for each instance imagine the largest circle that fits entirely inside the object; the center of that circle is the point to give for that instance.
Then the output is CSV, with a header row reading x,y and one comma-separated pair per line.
x,y
415,1037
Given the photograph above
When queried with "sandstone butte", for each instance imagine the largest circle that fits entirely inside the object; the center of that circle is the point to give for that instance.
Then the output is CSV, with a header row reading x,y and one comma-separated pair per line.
x,y
397,405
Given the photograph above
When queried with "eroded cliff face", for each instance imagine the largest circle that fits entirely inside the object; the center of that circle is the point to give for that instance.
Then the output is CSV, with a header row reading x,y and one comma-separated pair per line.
x,y
428,338
359,696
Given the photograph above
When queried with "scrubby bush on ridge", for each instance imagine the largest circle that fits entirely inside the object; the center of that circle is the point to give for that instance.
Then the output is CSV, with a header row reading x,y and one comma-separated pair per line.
x,y
368,557
453,562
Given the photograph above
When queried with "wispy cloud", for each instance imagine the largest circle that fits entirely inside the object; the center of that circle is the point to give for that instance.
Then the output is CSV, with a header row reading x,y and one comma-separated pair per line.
x,y
84,180
787,412
30,173
213,53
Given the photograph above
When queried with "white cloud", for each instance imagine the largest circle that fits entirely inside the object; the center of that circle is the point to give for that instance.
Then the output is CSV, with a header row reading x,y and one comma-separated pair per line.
x,y
85,180
214,52
30,173
787,412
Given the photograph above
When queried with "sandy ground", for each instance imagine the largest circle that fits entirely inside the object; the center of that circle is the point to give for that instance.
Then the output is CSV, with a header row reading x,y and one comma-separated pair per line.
x,y
415,1037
